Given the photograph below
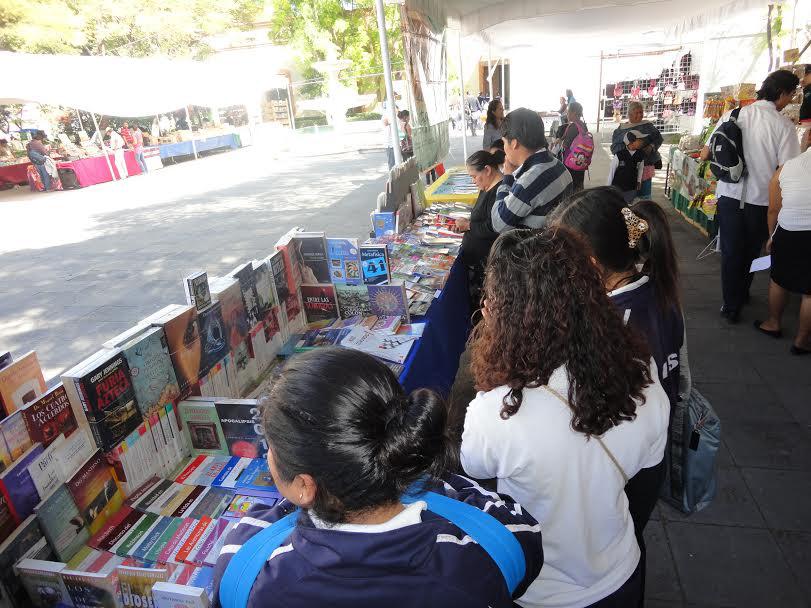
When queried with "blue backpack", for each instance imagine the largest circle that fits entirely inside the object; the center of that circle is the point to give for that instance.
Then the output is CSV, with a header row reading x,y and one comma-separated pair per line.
x,y
491,534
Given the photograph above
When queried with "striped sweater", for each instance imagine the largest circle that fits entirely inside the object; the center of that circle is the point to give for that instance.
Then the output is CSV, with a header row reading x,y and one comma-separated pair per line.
x,y
427,562
525,198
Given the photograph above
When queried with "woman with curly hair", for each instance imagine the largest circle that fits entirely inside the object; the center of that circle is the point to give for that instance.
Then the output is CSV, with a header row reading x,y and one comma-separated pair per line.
x,y
569,409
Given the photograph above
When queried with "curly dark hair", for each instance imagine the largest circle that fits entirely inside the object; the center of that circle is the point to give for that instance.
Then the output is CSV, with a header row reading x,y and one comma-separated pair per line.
x,y
545,306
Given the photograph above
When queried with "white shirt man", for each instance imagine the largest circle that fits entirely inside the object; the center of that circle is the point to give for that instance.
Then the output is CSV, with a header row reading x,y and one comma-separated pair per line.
x,y
117,146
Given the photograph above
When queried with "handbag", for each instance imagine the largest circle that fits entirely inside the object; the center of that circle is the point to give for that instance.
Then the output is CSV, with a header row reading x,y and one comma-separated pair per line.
x,y
486,530
692,454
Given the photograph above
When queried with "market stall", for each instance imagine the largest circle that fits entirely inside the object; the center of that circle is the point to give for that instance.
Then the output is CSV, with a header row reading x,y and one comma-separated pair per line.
x,y
207,144
95,170
690,186
15,174
454,186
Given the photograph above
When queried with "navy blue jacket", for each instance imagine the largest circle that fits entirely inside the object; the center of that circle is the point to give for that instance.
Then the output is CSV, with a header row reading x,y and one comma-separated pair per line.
x,y
428,564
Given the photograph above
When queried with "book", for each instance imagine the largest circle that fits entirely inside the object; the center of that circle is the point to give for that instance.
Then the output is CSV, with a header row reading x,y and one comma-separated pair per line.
x,y
197,292
153,377
5,358
201,425
213,339
171,595
183,339
5,454
320,304
291,255
95,492
241,425
245,368
386,325
227,292
7,520
136,585
315,263
389,348
115,529
17,486
256,476
374,264
344,261
42,581
62,523
91,589
25,542
389,301
45,470
15,436
101,394
212,505
49,416
21,381
266,297
383,223
245,275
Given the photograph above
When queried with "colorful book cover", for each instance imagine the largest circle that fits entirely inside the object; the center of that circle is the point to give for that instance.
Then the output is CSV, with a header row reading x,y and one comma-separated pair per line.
x,y
394,349
43,583
212,505
95,491
178,499
91,589
185,349
245,275
293,263
384,223
230,481
315,264
245,366
201,425
166,498
374,264
84,556
320,304
224,527
265,288
197,290
179,596
353,301
62,524
213,338
148,499
256,476
24,542
177,539
151,537
127,544
242,427
49,416
152,554
17,485
136,585
193,538
389,301
386,325
344,261
227,292
21,381
209,470
142,490
114,529
189,501
15,435
153,376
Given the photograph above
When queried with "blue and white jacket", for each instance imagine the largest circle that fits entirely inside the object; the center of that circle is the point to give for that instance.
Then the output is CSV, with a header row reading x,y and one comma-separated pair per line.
x,y
430,563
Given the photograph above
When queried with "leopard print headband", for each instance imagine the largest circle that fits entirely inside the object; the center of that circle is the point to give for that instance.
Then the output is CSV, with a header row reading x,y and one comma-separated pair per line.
x,y
635,225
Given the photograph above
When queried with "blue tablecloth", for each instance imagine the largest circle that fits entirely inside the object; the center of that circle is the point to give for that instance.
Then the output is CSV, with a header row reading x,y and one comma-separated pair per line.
x,y
434,360
184,148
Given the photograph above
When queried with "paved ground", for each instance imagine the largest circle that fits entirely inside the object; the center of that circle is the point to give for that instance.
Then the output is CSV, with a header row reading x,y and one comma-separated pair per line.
x,y
78,267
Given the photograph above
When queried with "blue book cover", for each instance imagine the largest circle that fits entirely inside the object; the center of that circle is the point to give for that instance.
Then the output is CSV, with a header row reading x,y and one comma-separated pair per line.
x,y
389,301
344,261
226,471
18,487
375,264
384,223
256,476
153,377
153,537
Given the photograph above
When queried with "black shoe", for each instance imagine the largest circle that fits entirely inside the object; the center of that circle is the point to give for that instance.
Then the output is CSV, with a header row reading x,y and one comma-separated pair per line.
x,y
733,317
799,350
772,333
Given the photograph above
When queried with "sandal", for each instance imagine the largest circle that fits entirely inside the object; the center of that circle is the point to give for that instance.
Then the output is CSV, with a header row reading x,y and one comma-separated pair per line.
x,y
799,350
772,333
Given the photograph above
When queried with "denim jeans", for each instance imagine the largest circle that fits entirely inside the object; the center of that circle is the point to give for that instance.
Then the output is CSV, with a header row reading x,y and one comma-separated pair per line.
x,y
139,158
38,160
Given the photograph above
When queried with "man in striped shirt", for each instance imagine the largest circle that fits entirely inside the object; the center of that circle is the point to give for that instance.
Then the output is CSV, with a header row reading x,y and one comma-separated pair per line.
x,y
535,182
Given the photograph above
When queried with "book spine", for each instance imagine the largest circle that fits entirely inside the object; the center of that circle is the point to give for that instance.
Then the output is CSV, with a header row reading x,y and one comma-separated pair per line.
x,y
9,503
80,390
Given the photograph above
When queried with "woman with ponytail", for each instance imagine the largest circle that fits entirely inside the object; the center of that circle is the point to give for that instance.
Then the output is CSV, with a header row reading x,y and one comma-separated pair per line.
x,y
569,408
345,443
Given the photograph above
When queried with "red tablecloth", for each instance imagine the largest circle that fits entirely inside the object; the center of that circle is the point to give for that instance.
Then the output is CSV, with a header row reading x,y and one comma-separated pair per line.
x,y
94,170
14,174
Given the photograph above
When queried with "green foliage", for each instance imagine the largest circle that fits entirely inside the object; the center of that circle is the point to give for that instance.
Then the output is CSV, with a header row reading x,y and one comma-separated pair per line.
x,y
93,27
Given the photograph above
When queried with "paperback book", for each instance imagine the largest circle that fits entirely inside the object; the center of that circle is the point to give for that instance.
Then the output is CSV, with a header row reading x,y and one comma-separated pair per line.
x,y
25,542
320,304
43,583
227,292
389,348
62,523
389,301
21,381
16,439
213,339
241,425
315,263
91,589
17,486
383,223
244,274
183,339
201,425
95,492
344,261
49,416
374,264
136,585
197,291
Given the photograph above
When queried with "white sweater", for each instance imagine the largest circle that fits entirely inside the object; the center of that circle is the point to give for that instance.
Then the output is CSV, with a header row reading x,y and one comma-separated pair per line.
x,y
568,483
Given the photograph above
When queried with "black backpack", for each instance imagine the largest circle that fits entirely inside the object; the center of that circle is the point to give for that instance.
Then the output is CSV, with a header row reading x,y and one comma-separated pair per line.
x,y
727,162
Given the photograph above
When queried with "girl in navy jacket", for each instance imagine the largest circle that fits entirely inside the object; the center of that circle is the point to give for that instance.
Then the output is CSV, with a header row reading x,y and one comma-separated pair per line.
x,y
345,442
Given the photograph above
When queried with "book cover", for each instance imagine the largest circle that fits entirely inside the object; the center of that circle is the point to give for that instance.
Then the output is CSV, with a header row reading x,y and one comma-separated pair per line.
x,y
49,416
185,349
245,275
91,589
245,366
142,490
201,425
43,582
389,301
153,376
155,492
136,585
181,532
15,435
315,264
256,476
212,505
344,261
171,595
213,339
241,425
374,264
25,541
197,292
95,492
128,542
45,469
62,523
7,520
386,325
222,531
192,498
165,537
21,381
265,288
389,348
73,451
5,454
193,538
384,223
293,262
208,471
320,304
227,292
17,486
116,528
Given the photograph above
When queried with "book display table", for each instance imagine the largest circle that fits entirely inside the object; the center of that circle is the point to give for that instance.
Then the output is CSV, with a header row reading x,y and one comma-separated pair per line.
x,y
184,148
454,186
94,169
14,174
686,185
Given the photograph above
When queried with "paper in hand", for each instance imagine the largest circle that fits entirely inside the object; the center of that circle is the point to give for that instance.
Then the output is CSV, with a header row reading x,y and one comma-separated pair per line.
x,y
763,263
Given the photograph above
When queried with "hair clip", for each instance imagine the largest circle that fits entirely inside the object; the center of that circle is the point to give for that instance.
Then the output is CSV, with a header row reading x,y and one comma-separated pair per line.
x,y
635,225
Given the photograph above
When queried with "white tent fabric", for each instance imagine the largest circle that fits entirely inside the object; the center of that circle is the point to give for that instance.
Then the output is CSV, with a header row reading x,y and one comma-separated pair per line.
x,y
124,86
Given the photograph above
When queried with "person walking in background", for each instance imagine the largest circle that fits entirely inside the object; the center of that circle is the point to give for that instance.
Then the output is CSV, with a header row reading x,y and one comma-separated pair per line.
x,y
534,180
138,147
575,127
116,144
643,130
569,409
789,218
769,141
492,126
406,142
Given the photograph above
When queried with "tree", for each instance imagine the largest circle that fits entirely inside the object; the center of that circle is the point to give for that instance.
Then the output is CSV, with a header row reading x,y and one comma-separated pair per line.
x,y
135,29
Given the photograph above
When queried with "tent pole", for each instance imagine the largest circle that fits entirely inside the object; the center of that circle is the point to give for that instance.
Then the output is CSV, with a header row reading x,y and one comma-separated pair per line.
x,y
503,86
384,53
188,120
79,116
462,95
489,72
101,143
290,106
600,92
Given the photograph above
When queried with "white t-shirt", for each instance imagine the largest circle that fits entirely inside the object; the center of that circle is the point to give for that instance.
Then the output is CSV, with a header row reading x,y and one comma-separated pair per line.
x,y
795,187
568,483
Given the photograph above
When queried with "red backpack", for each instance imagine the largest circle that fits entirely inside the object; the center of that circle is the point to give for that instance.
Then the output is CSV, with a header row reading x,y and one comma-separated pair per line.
x,y
578,157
